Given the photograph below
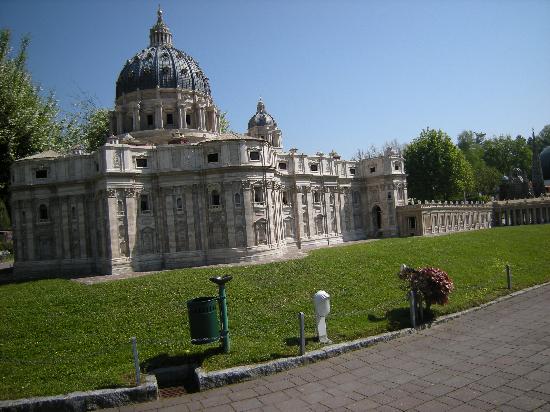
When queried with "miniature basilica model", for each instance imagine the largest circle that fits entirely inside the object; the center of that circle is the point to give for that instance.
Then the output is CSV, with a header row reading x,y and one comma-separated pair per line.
x,y
169,190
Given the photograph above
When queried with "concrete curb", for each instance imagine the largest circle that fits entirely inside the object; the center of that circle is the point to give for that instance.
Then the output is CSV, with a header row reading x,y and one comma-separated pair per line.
x,y
86,401
214,379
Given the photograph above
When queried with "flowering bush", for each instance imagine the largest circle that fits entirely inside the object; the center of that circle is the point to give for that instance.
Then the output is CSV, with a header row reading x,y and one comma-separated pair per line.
x,y
432,284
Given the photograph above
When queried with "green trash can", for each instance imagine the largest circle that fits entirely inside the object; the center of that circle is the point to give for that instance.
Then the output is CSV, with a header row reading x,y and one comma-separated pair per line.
x,y
203,320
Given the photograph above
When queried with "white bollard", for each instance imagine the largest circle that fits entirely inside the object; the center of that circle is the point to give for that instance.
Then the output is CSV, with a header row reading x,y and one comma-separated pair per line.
x,y
321,301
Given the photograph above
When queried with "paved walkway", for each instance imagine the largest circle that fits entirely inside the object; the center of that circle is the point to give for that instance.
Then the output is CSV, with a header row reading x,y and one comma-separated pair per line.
x,y
497,358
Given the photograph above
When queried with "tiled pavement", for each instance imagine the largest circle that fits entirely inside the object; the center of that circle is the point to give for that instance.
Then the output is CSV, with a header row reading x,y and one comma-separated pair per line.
x,y
497,358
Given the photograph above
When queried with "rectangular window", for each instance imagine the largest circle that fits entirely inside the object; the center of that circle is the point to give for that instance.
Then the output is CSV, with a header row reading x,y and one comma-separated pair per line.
x,y
285,198
389,195
372,169
411,222
352,171
282,165
258,195
179,204
149,120
396,166
42,174
141,163
188,120
314,167
254,155
144,204
169,118
212,158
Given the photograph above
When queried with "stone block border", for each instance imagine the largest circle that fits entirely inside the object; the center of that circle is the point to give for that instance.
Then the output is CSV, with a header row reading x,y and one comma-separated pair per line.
x,y
210,380
86,401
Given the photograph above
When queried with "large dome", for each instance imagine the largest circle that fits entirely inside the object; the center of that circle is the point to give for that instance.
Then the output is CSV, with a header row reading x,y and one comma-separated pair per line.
x,y
161,65
545,162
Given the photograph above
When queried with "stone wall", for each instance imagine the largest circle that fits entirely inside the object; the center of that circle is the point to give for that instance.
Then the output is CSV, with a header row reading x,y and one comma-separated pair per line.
x,y
521,211
433,218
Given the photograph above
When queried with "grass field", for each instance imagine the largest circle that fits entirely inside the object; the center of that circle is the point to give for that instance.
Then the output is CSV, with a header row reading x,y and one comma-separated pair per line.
x,y
58,336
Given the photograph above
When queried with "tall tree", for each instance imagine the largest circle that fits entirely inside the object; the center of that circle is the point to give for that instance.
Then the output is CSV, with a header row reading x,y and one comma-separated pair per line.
x,y
543,138
27,118
225,126
505,153
436,168
87,126
486,178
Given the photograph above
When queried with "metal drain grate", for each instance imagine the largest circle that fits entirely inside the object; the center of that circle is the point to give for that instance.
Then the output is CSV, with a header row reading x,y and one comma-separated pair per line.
x,y
172,391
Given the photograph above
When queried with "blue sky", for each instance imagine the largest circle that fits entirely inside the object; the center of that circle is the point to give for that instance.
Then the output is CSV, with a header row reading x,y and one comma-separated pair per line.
x,y
335,74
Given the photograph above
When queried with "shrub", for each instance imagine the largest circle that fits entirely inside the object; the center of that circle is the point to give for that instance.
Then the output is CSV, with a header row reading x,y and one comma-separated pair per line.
x,y
432,285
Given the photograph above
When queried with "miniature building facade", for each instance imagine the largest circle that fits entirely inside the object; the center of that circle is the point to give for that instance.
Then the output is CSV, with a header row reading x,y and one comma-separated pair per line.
x,y
170,190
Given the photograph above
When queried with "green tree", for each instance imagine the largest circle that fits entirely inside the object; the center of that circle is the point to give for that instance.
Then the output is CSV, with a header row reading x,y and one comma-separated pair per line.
x,y
505,153
86,127
543,138
486,178
436,168
225,126
27,118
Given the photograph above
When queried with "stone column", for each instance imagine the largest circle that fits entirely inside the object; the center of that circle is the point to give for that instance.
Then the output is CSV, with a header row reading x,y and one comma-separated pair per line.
x,y
65,219
29,229
230,215
215,122
337,211
190,217
135,118
82,227
181,116
203,118
271,212
352,212
55,211
112,221
170,223
159,121
248,214
327,212
131,219
298,214
310,217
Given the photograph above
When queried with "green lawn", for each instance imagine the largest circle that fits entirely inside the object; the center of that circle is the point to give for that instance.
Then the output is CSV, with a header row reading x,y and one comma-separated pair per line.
x,y
58,336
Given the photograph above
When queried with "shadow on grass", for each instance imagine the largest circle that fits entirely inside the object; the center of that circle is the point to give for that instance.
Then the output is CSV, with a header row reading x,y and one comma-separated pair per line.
x,y
399,318
295,341
177,377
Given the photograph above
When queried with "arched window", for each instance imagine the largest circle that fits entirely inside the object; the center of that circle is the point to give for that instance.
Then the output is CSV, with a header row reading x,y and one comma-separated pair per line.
x,y
377,217
43,213
237,199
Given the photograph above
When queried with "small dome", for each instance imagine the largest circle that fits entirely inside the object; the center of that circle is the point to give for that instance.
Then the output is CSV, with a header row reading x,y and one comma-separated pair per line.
x,y
545,162
261,118
161,65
